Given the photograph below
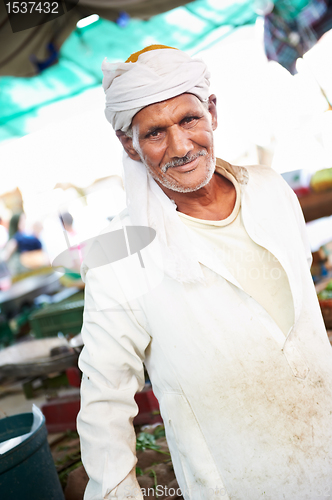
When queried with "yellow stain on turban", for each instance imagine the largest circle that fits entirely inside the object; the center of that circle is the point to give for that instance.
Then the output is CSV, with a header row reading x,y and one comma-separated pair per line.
x,y
133,58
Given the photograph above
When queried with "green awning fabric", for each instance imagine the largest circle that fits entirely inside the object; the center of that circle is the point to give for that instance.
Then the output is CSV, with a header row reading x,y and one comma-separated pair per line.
x,y
192,27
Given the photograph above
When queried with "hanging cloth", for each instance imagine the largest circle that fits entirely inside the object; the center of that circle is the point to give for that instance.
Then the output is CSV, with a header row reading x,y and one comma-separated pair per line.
x,y
288,34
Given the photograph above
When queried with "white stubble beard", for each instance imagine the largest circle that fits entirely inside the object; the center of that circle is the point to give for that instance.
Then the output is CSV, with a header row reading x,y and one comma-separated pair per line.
x,y
172,184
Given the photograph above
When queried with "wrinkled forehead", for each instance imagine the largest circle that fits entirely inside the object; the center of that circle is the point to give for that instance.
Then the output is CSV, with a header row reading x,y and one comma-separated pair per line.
x,y
173,109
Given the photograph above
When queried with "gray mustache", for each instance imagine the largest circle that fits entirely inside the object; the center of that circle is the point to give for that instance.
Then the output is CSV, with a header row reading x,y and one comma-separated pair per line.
x,y
182,161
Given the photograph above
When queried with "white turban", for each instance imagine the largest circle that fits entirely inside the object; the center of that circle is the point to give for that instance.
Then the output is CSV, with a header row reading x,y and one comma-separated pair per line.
x,y
157,75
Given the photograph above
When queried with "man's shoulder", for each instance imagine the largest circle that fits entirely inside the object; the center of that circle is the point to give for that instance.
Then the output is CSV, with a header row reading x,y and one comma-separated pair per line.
x,y
270,187
245,173
259,169
265,171
263,181
263,174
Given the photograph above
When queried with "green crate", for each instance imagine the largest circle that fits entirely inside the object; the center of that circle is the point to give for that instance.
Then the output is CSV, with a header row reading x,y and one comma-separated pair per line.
x,y
66,317
6,333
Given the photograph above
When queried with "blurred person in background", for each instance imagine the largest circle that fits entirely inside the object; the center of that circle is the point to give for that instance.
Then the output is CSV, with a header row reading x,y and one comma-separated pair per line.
x,y
67,221
23,251
72,275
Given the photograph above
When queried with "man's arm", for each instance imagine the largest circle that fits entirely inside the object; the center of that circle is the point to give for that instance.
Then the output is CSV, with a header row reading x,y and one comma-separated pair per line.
x,y
112,366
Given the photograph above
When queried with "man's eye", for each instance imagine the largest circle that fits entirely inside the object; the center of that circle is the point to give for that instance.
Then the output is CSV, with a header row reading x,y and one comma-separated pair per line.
x,y
154,133
190,119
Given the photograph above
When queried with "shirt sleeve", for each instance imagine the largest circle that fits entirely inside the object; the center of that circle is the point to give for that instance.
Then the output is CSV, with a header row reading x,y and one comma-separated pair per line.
x,y
112,366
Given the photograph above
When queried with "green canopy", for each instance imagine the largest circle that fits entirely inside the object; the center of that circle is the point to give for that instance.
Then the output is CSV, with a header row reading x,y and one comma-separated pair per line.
x,y
192,27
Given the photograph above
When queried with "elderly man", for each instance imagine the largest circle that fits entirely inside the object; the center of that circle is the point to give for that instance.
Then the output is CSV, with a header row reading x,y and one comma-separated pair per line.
x,y
230,332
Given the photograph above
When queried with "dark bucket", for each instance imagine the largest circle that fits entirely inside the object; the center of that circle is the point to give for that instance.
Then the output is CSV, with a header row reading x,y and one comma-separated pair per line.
x,y
27,471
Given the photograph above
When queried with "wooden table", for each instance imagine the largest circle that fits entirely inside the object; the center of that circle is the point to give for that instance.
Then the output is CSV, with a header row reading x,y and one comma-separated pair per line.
x,y
316,205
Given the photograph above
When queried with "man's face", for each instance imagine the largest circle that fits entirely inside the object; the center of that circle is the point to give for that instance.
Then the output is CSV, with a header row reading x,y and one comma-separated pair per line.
x,y
174,140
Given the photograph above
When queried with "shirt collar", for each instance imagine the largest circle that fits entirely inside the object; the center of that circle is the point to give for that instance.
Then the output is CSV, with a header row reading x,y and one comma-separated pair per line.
x,y
241,174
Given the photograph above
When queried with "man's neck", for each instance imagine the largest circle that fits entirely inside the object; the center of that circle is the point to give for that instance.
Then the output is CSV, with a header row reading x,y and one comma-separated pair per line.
x,y
215,201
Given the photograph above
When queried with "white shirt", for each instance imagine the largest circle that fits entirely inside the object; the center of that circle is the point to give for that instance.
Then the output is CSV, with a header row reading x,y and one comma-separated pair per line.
x,y
258,271
247,412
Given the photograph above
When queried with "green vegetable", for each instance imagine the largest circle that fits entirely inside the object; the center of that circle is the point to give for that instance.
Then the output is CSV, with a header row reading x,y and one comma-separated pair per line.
x,y
325,294
159,431
139,471
146,441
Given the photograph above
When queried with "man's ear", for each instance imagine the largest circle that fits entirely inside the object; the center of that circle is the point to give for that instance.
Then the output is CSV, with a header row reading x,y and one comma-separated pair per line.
x,y
213,110
127,143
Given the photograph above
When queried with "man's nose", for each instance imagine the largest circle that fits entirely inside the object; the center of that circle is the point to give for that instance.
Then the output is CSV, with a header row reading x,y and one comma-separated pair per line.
x,y
179,143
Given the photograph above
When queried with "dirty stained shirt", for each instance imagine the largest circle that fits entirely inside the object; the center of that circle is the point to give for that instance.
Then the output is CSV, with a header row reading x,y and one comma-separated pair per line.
x,y
257,406
256,269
